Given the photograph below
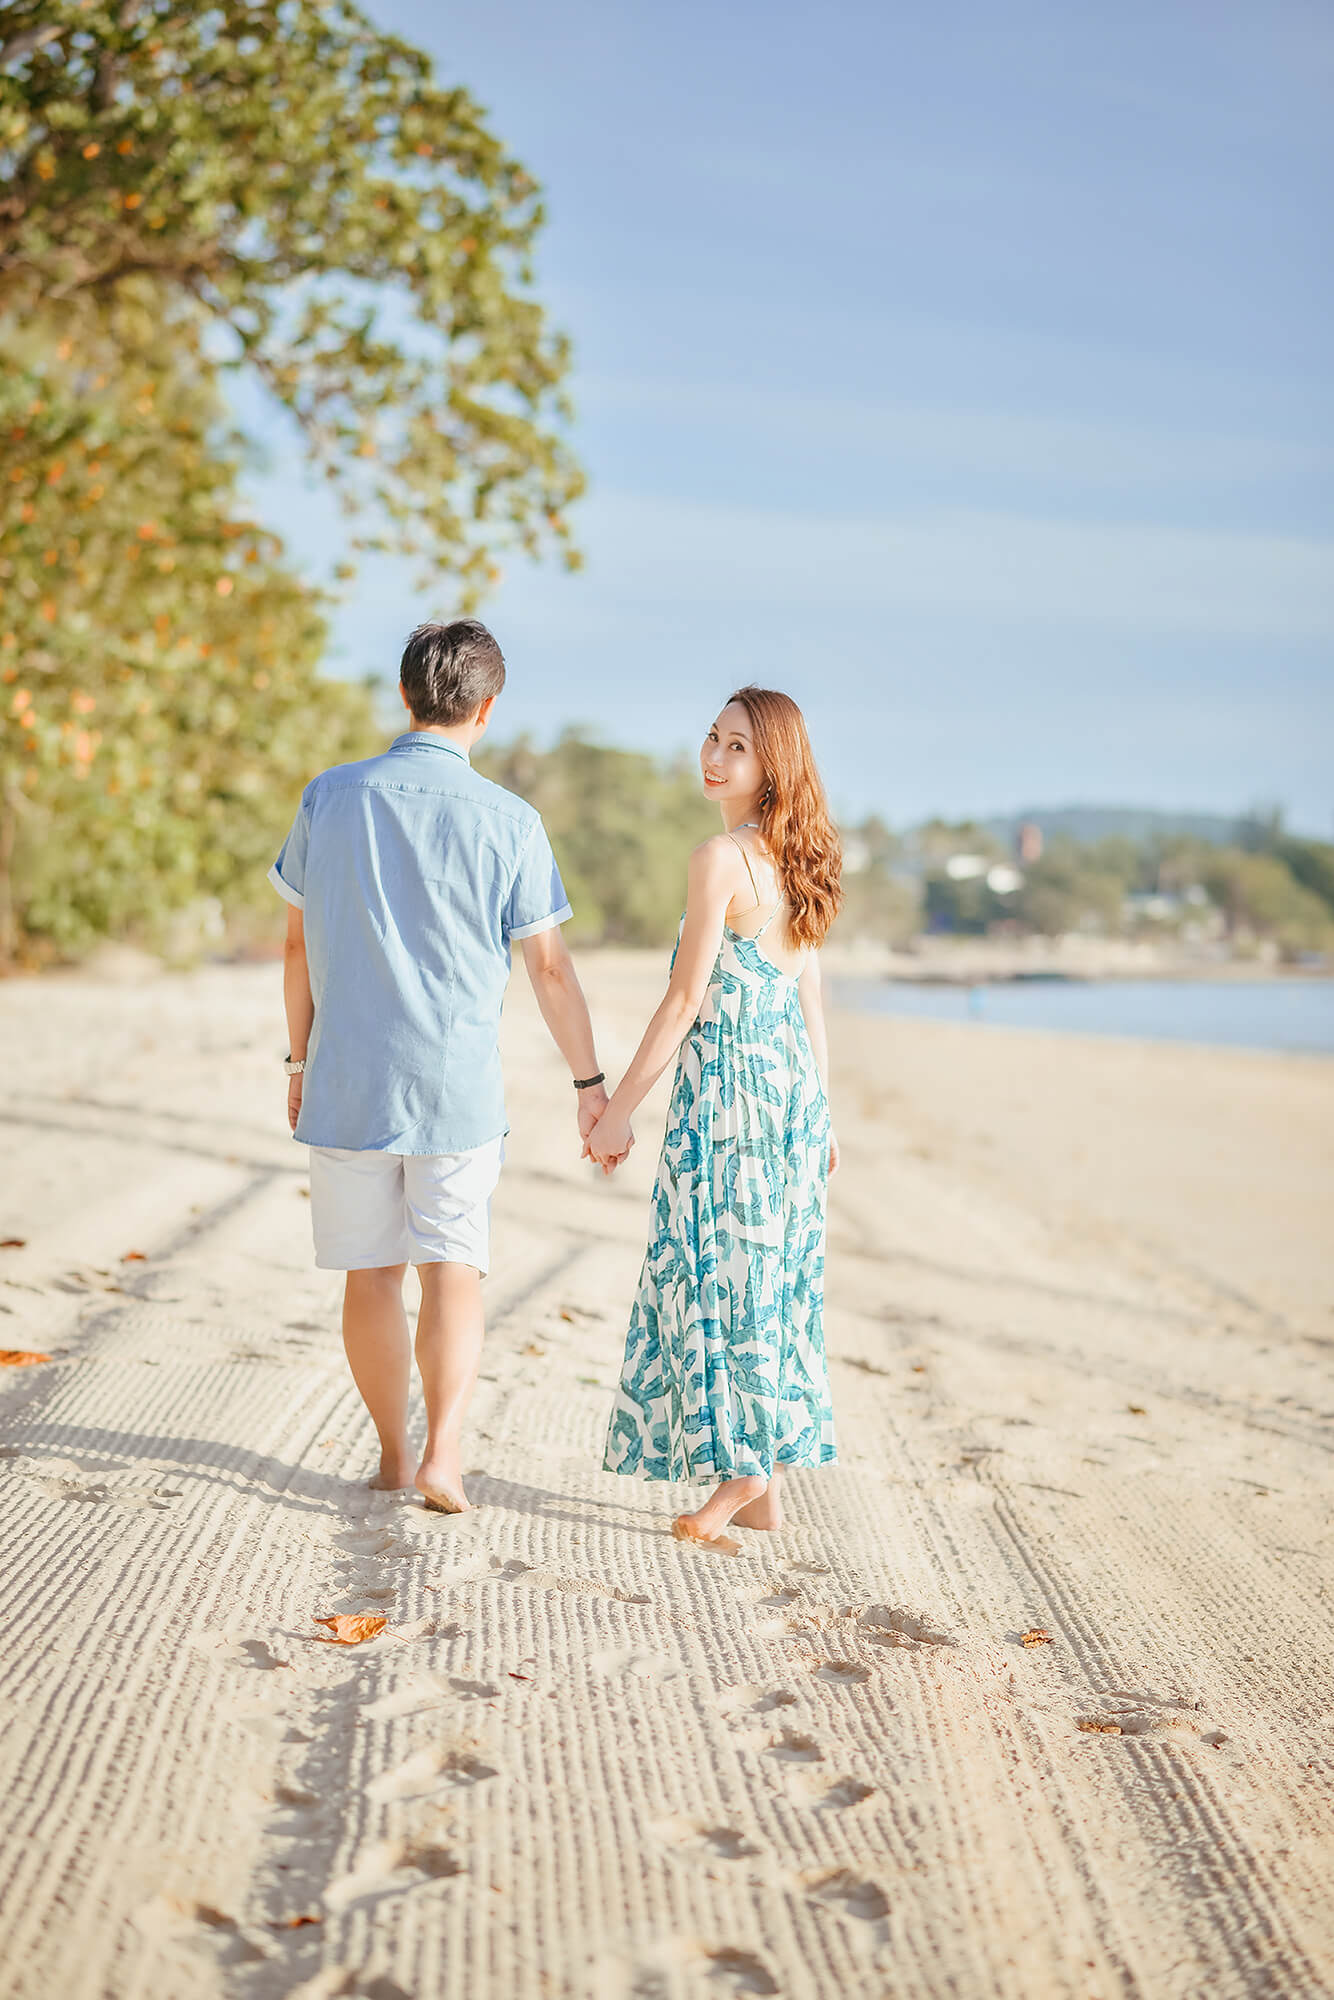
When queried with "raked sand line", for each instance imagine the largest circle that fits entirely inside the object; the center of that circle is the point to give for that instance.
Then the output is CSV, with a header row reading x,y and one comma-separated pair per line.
x,y
582,1760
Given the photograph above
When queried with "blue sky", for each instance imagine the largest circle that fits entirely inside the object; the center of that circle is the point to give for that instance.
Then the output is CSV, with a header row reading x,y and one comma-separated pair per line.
x,y
961,370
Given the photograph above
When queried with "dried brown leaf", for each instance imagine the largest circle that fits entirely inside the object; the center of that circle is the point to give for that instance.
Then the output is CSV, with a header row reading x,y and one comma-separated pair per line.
x,y
18,1357
13,1242
352,1628
1092,1727
135,1257
531,1347
1137,1409
1036,1635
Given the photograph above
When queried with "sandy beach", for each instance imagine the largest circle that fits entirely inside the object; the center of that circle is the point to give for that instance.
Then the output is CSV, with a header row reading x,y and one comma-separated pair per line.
x,y
1081,1325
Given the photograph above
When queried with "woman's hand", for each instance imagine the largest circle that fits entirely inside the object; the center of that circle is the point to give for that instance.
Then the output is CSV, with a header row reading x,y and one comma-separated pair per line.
x,y
833,1156
609,1141
294,1084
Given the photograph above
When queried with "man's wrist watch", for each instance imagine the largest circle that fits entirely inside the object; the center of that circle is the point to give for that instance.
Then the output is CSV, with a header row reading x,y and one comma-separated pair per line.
x,y
294,1068
587,1082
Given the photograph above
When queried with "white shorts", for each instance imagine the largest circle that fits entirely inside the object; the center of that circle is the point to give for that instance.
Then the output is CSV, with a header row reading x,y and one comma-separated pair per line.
x,y
369,1210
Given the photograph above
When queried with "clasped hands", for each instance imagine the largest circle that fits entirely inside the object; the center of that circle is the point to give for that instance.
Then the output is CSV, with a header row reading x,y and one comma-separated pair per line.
x,y
606,1134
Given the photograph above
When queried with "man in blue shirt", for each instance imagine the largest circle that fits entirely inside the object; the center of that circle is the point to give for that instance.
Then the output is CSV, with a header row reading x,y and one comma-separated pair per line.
x,y
408,877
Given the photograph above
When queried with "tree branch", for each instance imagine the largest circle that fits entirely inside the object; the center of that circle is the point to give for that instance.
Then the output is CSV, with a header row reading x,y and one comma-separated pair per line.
x,y
29,39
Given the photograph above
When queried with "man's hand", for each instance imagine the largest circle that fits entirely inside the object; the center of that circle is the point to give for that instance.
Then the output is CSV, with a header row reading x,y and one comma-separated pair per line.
x,y
294,1084
610,1141
592,1104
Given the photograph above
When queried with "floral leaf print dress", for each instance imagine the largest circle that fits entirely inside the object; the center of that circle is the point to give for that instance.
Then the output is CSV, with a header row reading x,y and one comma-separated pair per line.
x,y
724,1373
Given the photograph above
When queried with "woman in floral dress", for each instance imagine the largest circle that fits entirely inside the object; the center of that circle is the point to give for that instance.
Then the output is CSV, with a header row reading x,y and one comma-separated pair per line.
x,y
724,1376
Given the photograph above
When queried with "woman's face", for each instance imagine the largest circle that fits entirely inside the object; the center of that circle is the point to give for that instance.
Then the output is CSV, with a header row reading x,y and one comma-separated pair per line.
x,y
727,758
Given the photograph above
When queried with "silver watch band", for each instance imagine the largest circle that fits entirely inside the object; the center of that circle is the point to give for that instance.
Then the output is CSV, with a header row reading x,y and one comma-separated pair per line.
x,y
294,1068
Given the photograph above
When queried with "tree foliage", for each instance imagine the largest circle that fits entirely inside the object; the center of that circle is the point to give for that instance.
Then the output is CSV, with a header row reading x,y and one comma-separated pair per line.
x,y
348,227
158,662
622,825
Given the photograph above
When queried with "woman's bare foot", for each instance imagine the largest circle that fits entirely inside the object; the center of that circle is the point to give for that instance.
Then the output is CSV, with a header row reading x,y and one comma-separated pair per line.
x,y
706,1524
767,1511
395,1469
439,1480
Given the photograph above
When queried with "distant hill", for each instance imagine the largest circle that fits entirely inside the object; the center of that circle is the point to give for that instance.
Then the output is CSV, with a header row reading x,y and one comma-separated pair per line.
x,y
1137,823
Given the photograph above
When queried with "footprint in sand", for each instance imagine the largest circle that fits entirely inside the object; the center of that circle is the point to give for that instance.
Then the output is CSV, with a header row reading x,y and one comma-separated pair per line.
x,y
630,1663
1150,1715
363,1543
391,1867
768,1599
197,1924
850,1894
888,1626
709,1843
429,1772
842,1795
841,1673
545,1579
75,1485
746,1699
257,1654
793,1746
411,1697
713,1968
297,1798
732,1970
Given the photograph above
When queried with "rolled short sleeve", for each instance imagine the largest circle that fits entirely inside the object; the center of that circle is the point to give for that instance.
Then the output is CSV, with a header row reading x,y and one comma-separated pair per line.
x,y
537,899
288,873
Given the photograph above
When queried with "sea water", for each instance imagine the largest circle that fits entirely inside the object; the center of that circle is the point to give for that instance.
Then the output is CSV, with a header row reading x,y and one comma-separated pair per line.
x,y
1294,1015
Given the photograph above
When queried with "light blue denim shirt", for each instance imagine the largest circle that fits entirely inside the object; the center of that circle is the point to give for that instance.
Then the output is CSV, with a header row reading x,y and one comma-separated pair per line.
x,y
414,874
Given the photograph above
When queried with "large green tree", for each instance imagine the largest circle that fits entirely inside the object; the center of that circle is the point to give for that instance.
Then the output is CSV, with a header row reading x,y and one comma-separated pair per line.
x,y
277,188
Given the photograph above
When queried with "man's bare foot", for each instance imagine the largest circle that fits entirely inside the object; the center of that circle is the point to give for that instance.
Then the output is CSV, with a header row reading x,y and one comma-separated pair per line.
x,y
441,1487
706,1524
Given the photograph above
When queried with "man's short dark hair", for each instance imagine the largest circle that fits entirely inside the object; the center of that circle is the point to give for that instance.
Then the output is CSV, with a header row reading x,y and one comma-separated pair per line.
x,y
449,670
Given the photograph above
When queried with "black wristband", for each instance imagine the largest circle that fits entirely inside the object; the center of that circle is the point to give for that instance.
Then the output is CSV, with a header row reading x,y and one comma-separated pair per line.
x,y
587,1082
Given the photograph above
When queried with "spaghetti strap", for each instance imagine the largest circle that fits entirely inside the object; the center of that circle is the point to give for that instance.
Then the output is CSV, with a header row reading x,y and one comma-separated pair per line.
x,y
740,845
755,936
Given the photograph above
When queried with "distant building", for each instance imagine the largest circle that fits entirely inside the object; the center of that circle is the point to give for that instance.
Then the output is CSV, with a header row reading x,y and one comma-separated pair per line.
x,y
1003,881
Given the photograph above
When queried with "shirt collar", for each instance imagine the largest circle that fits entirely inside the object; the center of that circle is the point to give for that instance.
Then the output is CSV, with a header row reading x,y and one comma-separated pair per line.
x,y
422,739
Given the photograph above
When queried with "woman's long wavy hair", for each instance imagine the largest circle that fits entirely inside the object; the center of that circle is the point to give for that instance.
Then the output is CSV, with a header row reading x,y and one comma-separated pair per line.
x,y
794,815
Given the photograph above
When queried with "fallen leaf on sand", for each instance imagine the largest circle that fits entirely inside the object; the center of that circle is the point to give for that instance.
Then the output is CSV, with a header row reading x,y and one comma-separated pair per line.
x,y
1036,1635
13,1243
531,1347
295,1923
135,1257
1094,1728
1137,1409
352,1628
17,1357
520,1677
